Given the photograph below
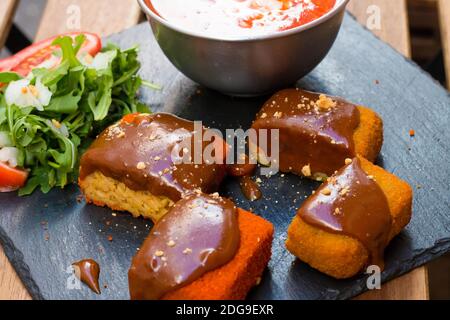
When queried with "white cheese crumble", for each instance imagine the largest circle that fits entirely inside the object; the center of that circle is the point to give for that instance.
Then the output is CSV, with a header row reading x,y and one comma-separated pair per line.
x,y
23,94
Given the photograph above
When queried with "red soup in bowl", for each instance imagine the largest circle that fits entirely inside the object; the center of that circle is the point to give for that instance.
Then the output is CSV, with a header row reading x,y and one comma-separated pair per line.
x,y
230,19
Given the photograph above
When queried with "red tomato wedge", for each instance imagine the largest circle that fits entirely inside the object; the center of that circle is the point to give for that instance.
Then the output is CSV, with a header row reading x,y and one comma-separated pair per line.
x,y
27,59
11,179
8,63
130,118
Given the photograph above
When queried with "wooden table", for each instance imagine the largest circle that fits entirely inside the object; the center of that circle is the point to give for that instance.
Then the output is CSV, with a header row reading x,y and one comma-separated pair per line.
x,y
444,11
106,17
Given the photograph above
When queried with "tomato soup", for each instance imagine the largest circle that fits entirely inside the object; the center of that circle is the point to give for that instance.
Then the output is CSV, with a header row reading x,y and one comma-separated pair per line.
x,y
239,18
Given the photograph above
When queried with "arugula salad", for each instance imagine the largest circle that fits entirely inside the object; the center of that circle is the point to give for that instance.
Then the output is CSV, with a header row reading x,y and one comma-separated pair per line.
x,y
51,108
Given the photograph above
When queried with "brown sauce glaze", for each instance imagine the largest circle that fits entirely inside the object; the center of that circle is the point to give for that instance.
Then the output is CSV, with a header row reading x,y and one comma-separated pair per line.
x,y
241,170
138,152
88,271
250,188
315,130
353,204
244,172
199,234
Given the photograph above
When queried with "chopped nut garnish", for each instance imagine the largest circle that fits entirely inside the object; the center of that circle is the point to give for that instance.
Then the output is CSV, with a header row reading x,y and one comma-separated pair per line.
x,y
348,161
325,102
306,171
187,251
141,166
159,253
157,158
215,195
326,192
121,135
278,114
264,115
171,243
337,211
344,191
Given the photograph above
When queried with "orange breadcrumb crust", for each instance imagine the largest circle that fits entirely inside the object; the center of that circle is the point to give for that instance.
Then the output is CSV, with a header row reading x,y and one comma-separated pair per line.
x,y
341,256
368,137
234,280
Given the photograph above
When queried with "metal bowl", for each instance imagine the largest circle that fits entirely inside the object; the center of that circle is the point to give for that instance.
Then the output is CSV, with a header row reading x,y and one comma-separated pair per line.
x,y
248,66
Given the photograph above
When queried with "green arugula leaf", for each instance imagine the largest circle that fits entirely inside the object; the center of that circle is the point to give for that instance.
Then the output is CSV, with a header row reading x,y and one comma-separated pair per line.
x,y
67,104
85,100
7,77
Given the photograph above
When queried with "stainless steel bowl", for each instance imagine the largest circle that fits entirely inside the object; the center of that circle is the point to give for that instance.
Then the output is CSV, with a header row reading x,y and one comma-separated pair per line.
x,y
248,66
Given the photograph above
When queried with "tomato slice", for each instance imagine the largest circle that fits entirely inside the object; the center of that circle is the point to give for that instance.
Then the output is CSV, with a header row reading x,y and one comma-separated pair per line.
x,y
11,179
8,63
27,59
130,118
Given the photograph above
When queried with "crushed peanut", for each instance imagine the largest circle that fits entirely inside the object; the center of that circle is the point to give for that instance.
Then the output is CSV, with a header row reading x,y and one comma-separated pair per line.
x,y
325,102
141,166
344,191
278,114
215,195
306,171
159,253
171,243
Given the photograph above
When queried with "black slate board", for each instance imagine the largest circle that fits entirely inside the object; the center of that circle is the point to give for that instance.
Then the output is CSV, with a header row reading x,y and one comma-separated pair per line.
x,y
43,234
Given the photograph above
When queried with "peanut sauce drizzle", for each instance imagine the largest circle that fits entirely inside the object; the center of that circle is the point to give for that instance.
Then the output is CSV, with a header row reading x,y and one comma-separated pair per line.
x,y
315,131
199,234
353,204
138,152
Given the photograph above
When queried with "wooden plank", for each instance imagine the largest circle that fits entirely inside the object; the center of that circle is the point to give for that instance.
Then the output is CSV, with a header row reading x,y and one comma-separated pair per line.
x,y
101,16
10,285
411,286
394,29
7,10
444,13
393,21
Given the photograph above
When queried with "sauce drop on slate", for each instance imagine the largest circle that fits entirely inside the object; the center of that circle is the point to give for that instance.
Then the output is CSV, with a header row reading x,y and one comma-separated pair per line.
x,y
250,188
88,272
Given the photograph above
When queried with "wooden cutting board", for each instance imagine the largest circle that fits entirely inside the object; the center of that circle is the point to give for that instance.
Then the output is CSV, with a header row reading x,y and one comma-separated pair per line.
x,y
43,234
